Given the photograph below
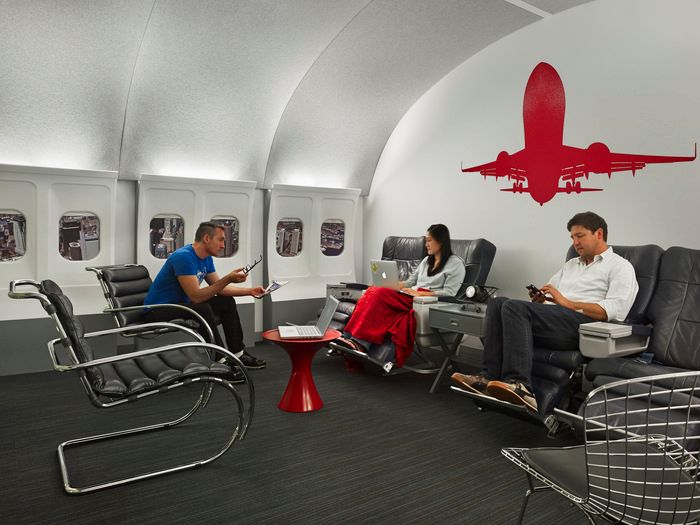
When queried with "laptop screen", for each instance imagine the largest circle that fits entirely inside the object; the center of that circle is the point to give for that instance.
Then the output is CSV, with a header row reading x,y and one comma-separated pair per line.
x,y
384,273
327,314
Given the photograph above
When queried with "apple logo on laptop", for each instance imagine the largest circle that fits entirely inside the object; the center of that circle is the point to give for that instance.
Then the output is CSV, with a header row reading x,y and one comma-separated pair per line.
x,y
383,275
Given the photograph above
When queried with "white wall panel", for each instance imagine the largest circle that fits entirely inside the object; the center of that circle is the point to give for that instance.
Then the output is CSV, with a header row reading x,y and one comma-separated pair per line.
x,y
628,69
310,271
43,195
196,201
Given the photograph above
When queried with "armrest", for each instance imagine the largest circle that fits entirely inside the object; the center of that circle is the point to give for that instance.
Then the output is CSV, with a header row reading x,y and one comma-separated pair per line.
x,y
134,330
425,299
356,286
601,339
191,312
149,351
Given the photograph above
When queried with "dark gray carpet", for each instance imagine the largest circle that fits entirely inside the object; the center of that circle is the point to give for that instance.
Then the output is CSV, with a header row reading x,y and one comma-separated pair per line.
x,y
382,450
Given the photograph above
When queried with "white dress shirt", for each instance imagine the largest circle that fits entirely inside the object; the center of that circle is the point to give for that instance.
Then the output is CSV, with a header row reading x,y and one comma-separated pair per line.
x,y
608,281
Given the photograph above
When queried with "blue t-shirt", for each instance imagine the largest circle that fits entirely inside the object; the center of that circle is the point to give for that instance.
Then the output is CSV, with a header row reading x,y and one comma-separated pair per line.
x,y
166,288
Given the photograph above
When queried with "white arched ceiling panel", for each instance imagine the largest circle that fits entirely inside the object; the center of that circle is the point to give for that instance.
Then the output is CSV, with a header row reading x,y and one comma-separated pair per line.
x,y
304,264
336,124
213,79
65,68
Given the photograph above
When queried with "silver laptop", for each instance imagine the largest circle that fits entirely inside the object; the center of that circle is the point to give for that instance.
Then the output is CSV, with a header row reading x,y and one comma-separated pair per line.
x,y
385,274
309,331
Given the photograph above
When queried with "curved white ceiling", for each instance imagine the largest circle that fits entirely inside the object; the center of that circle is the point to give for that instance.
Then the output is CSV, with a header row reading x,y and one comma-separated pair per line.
x,y
293,91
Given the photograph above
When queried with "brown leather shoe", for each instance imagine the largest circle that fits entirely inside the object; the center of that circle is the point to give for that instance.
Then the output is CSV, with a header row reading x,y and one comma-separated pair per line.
x,y
473,383
515,393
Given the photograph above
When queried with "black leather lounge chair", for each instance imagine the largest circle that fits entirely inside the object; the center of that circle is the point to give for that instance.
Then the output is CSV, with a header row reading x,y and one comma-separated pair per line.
x,y
556,374
125,287
477,255
674,312
126,378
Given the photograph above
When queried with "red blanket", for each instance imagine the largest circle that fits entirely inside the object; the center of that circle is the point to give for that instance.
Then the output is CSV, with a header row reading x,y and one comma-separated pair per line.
x,y
381,311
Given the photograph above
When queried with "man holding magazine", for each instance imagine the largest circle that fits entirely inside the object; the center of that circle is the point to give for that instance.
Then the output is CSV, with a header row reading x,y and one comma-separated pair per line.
x,y
179,282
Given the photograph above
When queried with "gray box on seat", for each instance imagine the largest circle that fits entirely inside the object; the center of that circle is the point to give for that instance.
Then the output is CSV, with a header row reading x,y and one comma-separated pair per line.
x,y
602,339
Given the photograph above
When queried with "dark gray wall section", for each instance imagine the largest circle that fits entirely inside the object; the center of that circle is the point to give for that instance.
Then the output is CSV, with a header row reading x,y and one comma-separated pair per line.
x,y
296,312
23,344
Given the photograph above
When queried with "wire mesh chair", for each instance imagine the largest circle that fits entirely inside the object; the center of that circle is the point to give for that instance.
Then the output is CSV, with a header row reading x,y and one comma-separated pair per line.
x,y
639,463
125,378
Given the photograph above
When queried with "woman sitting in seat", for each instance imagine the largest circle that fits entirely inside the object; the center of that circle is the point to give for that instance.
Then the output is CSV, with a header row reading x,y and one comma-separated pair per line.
x,y
383,318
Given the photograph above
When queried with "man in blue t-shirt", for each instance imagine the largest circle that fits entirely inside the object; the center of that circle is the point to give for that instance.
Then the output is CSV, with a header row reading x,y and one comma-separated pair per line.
x,y
179,282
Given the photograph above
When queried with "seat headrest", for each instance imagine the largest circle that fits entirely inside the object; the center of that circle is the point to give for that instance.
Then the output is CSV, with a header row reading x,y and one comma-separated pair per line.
x,y
404,248
118,274
477,255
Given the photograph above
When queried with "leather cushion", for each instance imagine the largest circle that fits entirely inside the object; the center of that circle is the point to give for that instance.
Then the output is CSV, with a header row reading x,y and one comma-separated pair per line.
x,y
628,368
477,255
549,393
567,359
566,467
639,413
404,248
675,310
135,376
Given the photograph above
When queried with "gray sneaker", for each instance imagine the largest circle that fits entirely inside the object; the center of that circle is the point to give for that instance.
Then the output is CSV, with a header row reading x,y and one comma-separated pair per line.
x,y
476,383
516,393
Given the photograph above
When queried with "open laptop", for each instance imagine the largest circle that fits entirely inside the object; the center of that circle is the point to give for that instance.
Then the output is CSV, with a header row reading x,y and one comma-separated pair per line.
x,y
385,274
309,331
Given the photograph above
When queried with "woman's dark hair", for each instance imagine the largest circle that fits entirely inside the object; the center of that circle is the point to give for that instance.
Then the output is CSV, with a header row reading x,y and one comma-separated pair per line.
x,y
441,234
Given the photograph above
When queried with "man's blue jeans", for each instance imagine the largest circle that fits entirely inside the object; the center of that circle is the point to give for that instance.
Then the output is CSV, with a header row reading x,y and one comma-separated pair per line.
x,y
513,327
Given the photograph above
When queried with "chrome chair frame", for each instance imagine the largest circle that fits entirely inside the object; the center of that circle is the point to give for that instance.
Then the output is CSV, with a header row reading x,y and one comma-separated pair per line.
x,y
245,414
639,468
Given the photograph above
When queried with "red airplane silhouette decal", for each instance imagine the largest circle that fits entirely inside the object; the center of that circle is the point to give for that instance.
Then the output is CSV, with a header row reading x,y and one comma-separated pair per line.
x,y
545,159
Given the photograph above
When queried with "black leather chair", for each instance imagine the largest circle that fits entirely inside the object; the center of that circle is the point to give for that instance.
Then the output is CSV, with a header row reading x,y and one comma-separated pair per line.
x,y
126,378
125,287
556,374
553,371
478,257
674,312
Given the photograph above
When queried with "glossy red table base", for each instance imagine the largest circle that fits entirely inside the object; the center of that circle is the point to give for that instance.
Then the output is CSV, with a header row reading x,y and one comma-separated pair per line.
x,y
301,394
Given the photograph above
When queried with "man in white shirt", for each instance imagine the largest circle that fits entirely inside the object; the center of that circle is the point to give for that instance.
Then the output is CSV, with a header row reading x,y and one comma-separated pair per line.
x,y
598,285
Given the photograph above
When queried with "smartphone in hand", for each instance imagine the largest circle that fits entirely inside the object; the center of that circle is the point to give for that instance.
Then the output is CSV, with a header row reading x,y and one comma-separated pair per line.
x,y
534,291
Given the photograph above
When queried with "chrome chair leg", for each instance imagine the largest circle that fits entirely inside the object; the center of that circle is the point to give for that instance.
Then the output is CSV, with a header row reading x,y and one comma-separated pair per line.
x,y
236,434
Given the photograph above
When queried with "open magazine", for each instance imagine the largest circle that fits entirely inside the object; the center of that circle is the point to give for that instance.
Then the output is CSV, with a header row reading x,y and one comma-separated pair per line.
x,y
274,285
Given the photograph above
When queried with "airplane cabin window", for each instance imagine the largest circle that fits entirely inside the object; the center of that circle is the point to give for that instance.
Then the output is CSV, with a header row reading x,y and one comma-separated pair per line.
x,y
231,231
167,234
79,236
289,237
332,237
13,235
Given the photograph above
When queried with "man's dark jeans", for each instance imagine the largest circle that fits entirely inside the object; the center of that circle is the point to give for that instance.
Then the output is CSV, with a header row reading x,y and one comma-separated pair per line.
x,y
217,309
513,327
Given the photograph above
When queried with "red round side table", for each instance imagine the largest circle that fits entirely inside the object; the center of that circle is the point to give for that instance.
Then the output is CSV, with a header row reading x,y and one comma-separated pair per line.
x,y
301,394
